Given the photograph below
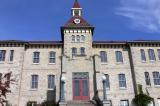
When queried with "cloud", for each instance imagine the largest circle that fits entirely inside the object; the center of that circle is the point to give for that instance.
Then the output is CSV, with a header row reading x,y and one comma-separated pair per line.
x,y
143,14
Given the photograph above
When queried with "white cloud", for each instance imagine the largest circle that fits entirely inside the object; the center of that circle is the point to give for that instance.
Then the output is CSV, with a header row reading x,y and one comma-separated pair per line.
x,y
143,14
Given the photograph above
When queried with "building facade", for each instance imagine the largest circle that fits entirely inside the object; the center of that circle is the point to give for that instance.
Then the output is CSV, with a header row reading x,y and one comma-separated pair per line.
x,y
38,66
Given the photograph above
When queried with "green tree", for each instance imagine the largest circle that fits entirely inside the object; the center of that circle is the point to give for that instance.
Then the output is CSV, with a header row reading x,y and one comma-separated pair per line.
x,y
142,99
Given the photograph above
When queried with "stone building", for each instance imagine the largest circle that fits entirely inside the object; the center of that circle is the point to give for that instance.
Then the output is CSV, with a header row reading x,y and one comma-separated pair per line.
x,y
38,66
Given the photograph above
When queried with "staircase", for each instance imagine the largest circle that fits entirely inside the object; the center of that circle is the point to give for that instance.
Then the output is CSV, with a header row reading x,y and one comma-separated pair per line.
x,y
79,103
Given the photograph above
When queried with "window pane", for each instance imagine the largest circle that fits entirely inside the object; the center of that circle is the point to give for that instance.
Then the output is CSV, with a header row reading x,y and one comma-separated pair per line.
x,y
2,55
85,87
82,38
156,77
51,81
76,88
52,57
36,57
122,80
158,53
119,57
147,78
82,51
107,81
143,57
73,38
78,38
151,54
74,51
103,56
34,83
11,55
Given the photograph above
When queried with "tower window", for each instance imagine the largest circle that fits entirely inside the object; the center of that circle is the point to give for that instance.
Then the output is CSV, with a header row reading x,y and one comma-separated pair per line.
x,y
78,38
73,38
82,38
82,50
74,51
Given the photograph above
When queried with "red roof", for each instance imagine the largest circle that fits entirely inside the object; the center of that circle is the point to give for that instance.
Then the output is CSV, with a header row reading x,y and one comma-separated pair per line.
x,y
76,4
83,23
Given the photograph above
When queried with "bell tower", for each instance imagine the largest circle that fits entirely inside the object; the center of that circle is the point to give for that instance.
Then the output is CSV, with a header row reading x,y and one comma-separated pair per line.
x,y
77,33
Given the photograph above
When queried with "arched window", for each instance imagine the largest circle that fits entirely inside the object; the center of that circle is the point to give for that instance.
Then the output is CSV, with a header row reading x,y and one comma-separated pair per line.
x,y
36,56
73,38
119,57
151,55
74,51
82,50
52,57
78,38
82,38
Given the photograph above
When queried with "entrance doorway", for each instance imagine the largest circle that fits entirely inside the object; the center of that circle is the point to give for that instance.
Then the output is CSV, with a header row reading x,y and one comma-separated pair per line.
x,y
80,86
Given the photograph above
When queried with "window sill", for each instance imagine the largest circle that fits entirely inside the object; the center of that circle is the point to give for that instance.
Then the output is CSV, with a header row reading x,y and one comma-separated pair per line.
x,y
36,89
152,61
119,63
10,62
148,86
50,89
35,63
123,88
104,63
157,86
2,62
51,63
143,61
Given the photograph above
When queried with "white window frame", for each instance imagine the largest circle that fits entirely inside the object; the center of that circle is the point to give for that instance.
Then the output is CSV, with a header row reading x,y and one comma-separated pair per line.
x,y
103,56
51,82
34,81
2,55
156,78
119,56
36,57
52,57
122,80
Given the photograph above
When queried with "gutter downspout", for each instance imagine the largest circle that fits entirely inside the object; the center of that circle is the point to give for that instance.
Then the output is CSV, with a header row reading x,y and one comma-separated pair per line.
x,y
94,75
132,69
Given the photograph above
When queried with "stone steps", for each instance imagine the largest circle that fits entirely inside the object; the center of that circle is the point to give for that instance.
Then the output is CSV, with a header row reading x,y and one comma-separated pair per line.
x,y
79,103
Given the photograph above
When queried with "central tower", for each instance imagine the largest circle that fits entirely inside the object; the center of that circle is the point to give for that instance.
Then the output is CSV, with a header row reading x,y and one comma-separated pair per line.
x,y
77,52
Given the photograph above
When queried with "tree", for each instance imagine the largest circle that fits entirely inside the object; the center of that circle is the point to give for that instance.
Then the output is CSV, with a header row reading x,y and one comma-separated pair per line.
x,y
142,99
5,82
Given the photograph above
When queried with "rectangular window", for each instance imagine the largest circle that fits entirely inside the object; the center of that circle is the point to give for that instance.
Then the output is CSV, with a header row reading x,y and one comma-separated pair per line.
x,y
74,52
156,78
2,55
82,50
119,57
107,81
11,55
36,57
34,83
143,56
158,51
147,78
124,103
122,80
103,56
151,55
51,81
52,57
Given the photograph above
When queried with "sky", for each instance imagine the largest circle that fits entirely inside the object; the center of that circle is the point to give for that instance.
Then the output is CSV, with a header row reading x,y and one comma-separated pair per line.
x,y
113,19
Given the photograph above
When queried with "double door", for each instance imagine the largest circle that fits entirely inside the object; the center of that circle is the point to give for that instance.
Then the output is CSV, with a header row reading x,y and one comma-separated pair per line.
x,y
81,89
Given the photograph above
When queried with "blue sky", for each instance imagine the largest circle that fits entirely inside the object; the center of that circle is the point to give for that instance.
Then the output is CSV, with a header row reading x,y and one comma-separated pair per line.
x,y
113,19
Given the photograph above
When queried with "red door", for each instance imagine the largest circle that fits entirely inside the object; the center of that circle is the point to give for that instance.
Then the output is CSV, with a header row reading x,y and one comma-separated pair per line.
x,y
80,89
